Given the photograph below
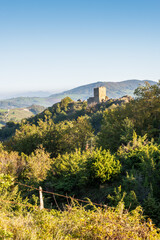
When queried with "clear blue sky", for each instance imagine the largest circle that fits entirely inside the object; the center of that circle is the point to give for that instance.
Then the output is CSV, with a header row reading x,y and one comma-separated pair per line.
x,y
50,44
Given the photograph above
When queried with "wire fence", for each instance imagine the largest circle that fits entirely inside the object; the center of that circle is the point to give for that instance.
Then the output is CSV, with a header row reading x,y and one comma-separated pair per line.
x,y
61,195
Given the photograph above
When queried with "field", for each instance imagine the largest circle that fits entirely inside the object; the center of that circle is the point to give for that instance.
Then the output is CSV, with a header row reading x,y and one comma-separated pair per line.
x,y
17,114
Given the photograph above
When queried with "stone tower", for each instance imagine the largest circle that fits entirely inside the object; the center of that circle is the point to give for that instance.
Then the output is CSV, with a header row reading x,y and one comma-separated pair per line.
x,y
99,94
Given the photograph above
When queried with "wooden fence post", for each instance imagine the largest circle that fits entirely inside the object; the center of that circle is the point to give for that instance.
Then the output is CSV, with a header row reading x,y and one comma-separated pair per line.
x,y
41,199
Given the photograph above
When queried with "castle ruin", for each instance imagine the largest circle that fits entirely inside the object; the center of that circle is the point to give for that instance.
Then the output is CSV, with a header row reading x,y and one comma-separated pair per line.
x,y
99,95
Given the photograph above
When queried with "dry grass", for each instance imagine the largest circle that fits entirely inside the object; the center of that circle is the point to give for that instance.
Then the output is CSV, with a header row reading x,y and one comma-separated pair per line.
x,y
77,223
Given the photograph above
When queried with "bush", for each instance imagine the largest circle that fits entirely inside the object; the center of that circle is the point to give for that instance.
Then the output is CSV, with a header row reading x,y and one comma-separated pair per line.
x,y
11,163
79,169
37,165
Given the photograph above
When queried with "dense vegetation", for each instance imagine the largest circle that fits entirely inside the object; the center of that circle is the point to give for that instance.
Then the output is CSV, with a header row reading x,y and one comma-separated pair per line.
x,y
108,153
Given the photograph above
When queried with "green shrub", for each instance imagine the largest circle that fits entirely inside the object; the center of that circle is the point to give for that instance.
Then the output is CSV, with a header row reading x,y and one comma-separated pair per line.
x,y
103,165
79,169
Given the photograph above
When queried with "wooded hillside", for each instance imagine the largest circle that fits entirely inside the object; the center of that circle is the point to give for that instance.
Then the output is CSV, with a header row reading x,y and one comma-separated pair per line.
x,y
102,162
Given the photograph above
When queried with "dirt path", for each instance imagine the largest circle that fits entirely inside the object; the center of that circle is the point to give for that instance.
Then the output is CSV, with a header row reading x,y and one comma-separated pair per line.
x,y
6,116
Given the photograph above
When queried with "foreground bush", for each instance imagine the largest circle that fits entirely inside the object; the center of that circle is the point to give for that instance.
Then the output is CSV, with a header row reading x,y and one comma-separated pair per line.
x,y
78,169
31,168
77,223
11,163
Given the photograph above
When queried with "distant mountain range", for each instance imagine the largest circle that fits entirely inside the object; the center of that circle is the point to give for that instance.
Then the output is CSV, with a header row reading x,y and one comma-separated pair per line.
x,y
8,95
113,90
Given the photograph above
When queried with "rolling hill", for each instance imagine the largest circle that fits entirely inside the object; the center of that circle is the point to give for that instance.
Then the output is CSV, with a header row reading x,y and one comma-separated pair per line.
x,y
17,114
113,90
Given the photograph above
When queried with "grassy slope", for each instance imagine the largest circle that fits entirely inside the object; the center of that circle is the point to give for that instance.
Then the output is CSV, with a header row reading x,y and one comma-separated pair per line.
x,y
14,115
17,114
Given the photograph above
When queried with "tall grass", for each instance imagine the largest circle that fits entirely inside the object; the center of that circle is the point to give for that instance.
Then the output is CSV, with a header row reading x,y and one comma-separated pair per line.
x,y
75,222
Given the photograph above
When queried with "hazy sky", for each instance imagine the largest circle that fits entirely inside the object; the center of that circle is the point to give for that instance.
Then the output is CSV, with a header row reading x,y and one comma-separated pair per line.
x,y
60,44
